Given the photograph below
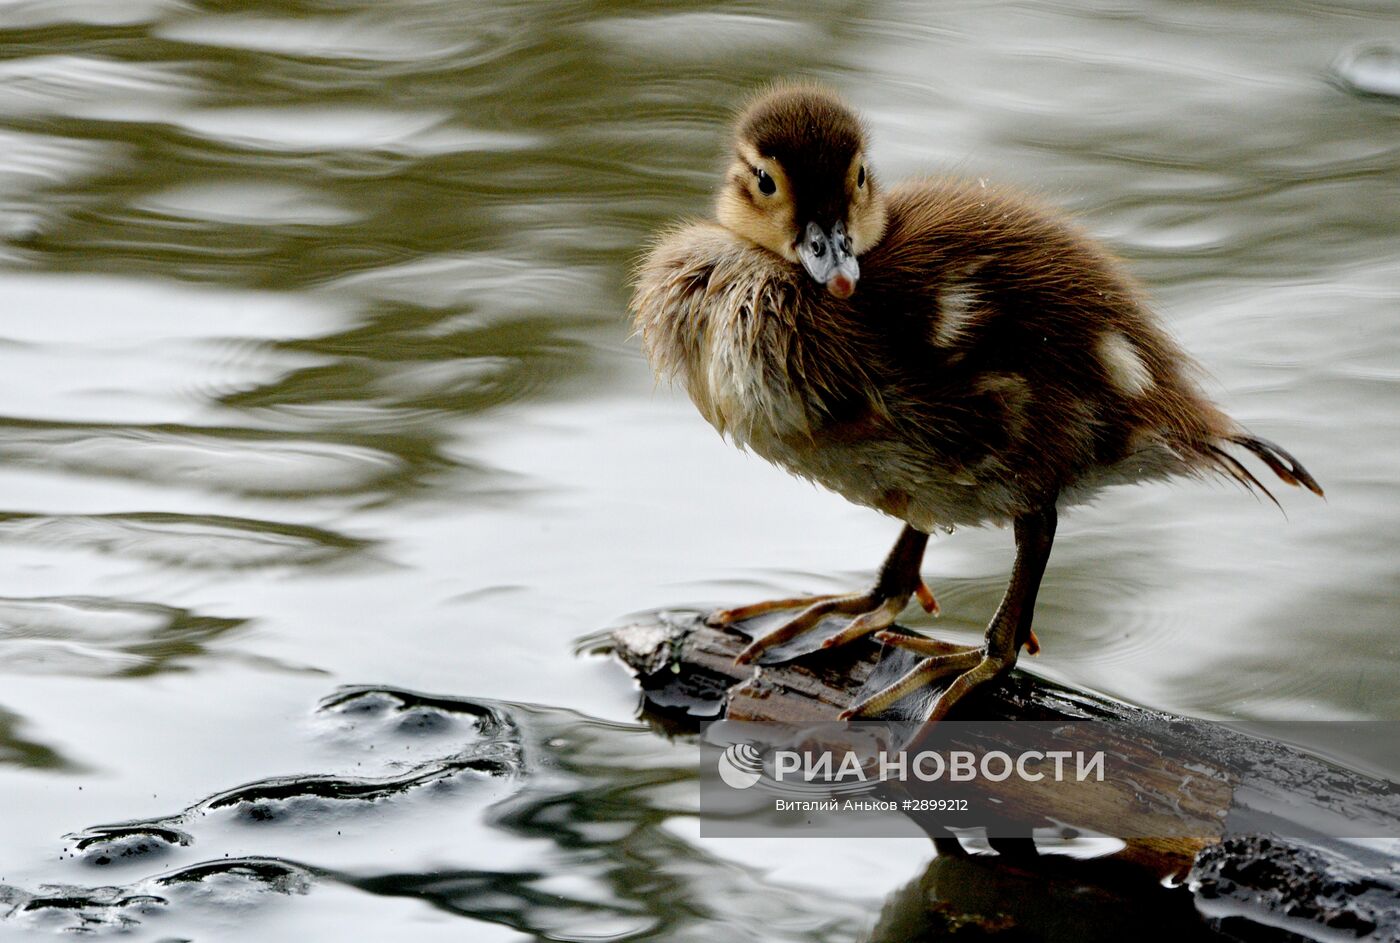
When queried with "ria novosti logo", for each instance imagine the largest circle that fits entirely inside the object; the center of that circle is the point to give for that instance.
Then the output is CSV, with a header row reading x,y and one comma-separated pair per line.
x,y
740,765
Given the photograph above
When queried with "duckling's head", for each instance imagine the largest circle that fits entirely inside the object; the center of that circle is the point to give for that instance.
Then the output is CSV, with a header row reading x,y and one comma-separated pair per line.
x,y
799,184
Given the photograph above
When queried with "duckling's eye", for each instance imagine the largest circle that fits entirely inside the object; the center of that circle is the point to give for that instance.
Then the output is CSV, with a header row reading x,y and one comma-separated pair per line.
x,y
860,179
766,184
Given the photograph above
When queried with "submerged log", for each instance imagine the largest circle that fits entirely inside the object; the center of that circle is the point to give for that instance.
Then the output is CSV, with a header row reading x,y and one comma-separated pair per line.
x,y
1297,878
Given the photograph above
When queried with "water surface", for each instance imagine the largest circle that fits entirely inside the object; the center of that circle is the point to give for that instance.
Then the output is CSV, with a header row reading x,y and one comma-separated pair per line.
x,y
315,374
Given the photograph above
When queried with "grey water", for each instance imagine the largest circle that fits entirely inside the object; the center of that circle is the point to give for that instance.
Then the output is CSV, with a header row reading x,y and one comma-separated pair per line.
x,y
323,439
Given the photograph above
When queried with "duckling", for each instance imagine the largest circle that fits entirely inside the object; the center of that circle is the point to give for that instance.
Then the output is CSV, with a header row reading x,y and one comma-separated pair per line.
x,y
941,351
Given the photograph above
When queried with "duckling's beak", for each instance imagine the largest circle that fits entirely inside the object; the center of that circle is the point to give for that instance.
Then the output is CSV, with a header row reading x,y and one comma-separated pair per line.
x,y
827,257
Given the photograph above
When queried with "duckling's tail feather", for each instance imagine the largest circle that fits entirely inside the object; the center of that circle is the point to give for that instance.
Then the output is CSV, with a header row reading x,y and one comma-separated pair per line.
x,y
1285,466
1288,468
1236,470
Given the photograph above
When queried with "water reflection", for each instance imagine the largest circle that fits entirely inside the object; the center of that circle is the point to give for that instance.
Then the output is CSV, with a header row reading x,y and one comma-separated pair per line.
x,y
17,749
180,540
368,35
94,636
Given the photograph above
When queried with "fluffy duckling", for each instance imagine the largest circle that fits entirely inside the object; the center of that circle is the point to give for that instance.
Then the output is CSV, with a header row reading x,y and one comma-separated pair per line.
x,y
940,351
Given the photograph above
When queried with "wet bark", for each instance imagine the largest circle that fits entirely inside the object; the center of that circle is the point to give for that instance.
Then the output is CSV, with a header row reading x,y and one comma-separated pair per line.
x,y
1310,884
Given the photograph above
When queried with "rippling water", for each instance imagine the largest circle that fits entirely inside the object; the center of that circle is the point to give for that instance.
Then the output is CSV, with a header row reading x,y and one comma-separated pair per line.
x,y
314,373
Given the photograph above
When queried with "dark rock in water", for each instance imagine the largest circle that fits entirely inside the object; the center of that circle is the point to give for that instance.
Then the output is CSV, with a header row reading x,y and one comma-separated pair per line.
x,y
64,908
414,799
425,741
258,874
1260,876
1370,70
492,750
107,844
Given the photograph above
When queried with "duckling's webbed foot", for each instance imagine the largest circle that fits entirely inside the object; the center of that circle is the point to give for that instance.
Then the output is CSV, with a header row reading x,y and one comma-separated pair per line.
x,y
872,610
1009,629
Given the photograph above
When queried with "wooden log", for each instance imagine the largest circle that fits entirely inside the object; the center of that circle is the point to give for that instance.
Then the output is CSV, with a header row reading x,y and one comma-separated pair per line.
x,y
687,674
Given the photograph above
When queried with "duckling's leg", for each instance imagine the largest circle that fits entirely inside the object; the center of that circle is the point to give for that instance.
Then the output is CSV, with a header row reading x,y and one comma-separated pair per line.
x,y
898,580
1009,629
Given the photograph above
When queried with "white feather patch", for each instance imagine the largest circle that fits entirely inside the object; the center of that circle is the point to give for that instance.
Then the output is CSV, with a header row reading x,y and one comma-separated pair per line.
x,y
957,305
1124,367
